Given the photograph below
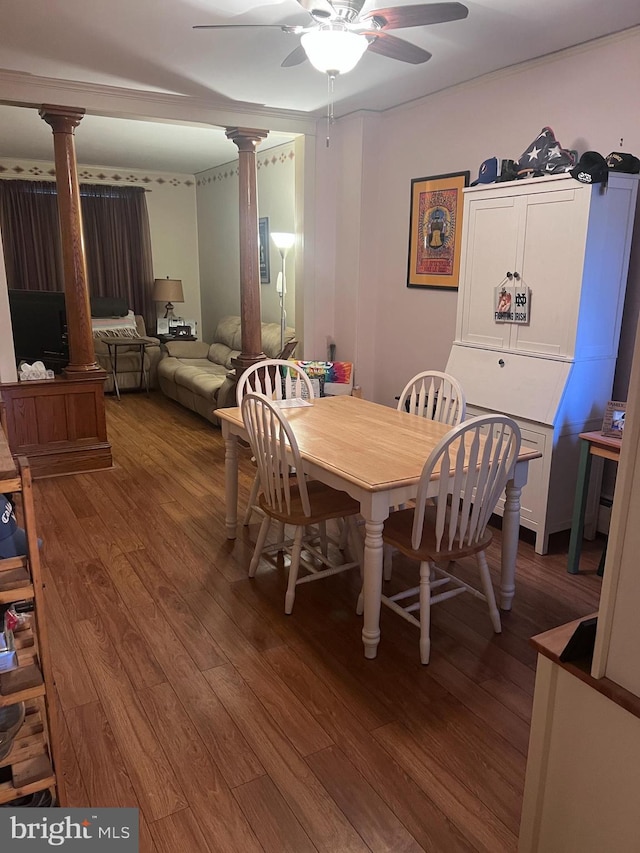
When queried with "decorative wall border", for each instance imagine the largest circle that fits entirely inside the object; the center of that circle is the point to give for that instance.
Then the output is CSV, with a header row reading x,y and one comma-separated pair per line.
x,y
44,170
278,156
40,170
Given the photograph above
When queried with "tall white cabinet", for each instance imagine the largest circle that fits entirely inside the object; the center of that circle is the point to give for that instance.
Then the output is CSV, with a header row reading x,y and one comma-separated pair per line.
x,y
569,243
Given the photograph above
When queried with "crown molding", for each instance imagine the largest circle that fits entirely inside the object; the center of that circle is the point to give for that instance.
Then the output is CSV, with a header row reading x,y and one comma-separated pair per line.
x,y
18,88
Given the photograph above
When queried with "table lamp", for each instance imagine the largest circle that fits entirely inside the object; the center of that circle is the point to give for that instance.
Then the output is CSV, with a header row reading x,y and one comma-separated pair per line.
x,y
168,290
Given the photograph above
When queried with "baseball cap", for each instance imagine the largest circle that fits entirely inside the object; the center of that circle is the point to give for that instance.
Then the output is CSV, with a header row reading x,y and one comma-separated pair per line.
x,y
13,540
591,169
619,162
488,172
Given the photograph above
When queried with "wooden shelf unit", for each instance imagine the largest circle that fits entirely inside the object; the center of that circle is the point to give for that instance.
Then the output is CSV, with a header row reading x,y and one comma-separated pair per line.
x,y
31,759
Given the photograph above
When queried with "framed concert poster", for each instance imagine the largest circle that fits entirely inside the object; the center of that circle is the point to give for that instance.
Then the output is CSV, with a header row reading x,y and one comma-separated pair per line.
x,y
435,230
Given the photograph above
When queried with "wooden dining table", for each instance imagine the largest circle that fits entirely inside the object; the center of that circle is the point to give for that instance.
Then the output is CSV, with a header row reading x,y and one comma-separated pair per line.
x,y
376,455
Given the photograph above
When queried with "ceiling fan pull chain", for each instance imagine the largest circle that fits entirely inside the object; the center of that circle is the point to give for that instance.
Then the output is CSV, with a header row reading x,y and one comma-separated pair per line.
x,y
331,78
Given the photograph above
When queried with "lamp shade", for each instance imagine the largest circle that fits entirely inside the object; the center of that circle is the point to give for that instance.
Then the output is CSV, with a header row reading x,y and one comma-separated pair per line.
x,y
283,240
333,51
167,290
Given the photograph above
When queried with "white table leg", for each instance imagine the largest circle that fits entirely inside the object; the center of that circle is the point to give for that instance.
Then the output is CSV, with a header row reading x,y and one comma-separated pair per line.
x,y
510,534
231,480
373,554
375,516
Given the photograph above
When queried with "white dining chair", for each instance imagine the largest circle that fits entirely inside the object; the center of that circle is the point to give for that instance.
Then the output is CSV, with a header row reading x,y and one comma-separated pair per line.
x,y
301,503
277,379
471,465
438,397
434,395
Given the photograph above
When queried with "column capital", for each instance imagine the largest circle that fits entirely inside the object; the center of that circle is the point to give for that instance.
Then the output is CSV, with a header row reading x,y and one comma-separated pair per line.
x,y
246,138
61,119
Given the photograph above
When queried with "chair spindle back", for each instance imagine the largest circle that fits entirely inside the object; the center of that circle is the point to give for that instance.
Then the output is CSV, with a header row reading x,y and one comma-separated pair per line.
x,y
472,463
275,449
434,395
277,379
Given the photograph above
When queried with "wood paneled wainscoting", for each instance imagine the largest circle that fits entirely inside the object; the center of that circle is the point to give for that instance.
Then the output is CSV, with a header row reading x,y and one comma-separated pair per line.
x,y
59,424
186,691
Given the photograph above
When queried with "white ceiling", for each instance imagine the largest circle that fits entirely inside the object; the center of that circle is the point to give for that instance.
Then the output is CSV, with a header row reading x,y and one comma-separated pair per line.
x,y
150,46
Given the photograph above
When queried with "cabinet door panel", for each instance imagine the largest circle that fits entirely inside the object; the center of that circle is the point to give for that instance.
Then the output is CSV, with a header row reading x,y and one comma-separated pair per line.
x,y
553,245
490,252
533,497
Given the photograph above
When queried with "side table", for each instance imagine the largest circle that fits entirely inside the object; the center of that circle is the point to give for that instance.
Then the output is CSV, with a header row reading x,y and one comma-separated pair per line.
x,y
591,444
113,343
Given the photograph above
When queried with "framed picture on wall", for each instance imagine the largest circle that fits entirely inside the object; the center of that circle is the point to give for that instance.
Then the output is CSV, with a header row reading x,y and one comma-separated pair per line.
x,y
263,238
435,230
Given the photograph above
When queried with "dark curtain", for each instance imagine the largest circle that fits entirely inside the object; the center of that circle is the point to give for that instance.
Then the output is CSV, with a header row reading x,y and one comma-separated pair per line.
x,y
117,241
31,235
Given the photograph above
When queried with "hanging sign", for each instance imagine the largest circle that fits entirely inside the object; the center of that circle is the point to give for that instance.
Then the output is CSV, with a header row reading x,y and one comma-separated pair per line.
x,y
511,304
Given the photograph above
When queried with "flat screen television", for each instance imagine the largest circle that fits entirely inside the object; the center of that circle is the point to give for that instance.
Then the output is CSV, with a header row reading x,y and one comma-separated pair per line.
x,y
39,323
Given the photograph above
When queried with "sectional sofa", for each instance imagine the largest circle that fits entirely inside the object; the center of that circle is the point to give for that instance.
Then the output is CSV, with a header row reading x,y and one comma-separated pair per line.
x,y
195,373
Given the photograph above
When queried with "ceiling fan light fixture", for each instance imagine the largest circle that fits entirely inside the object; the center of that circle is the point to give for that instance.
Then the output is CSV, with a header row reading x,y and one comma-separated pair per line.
x,y
334,51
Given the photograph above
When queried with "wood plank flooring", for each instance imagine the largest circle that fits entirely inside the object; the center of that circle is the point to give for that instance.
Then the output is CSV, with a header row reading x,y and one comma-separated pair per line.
x,y
184,690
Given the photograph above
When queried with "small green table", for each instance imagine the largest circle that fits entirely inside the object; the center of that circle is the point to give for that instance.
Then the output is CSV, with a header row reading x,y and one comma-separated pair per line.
x,y
592,444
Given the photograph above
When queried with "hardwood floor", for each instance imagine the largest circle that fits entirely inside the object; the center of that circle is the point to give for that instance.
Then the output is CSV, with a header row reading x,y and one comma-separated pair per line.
x,y
186,691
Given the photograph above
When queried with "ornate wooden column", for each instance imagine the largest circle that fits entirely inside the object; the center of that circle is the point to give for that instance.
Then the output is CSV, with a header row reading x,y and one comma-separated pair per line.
x,y
60,424
82,358
247,140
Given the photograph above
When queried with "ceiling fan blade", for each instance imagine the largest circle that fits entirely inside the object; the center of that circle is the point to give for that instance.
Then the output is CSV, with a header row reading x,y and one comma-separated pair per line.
x,y
241,26
296,57
396,48
416,16
319,9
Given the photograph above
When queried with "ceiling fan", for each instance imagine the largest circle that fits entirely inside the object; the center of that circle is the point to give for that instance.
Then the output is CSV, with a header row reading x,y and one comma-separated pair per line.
x,y
338,34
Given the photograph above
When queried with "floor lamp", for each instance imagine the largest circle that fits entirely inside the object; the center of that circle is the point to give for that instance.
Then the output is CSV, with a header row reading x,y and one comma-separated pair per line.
x,y
283,242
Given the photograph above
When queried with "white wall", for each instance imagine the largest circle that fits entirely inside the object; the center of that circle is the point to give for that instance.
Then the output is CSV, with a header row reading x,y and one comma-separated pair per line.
x,y
584,94
8,372
171,202
218,224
